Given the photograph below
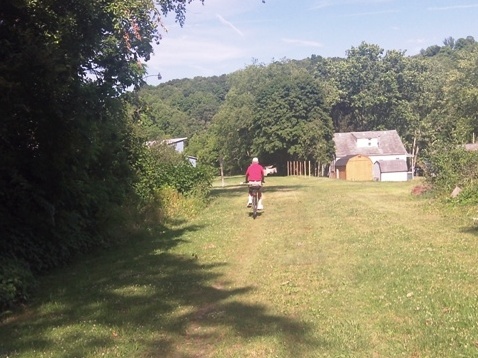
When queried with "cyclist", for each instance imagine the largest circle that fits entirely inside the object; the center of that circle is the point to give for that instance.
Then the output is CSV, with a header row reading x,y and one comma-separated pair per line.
x,y
255,177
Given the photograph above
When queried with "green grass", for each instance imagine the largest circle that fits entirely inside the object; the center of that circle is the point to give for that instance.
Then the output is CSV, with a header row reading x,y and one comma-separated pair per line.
x,y
330,269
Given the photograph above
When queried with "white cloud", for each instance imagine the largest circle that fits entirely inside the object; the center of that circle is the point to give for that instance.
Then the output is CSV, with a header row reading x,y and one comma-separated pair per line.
x,y
194,50
417,41
306,43
321,4
229,24
373,13
452,7
227,8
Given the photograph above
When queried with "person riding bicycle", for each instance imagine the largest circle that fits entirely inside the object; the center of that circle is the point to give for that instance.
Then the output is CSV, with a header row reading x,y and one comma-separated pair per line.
x,y
255,177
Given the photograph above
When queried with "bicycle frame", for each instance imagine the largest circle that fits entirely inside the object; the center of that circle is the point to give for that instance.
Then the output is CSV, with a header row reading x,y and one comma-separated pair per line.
x,y
255,190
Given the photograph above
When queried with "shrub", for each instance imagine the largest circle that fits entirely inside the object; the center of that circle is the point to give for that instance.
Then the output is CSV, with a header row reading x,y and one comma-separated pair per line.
x,y
16,283
161,167
451,167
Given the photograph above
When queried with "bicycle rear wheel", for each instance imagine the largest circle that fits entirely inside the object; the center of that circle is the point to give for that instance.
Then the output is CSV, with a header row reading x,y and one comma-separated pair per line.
x,y
254,204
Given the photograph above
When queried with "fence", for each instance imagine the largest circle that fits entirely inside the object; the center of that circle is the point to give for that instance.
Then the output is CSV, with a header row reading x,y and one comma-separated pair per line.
x,y
306,168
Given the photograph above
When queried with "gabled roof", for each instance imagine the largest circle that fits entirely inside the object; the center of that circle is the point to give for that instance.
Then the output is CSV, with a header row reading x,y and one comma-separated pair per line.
x,y
389,143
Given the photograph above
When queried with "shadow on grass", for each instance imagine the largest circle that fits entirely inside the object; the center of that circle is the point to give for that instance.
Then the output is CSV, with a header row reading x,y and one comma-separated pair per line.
x,y
240,190
259,213
471,229
139,299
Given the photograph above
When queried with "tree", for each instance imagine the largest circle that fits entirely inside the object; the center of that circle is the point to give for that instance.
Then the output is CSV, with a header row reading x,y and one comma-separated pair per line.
x,y
231,125
461,93
65,136
182,107
360,80
276,112
290,121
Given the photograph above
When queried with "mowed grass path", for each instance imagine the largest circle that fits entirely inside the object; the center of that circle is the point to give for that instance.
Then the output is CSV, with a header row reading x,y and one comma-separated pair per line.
x,y
330,269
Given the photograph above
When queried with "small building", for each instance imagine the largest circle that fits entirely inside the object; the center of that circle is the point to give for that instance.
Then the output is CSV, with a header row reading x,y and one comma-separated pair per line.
x,y
354,167
371,155
390,170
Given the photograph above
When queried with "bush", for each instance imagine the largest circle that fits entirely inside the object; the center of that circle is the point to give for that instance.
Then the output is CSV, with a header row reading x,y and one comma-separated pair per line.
x,y
451,167
162,167
174,207
16,283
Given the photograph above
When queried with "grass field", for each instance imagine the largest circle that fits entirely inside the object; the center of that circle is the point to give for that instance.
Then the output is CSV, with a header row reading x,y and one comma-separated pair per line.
x,y
330,269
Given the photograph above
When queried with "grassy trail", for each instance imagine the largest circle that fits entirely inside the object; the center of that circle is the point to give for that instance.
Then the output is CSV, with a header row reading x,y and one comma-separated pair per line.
x,y
330,269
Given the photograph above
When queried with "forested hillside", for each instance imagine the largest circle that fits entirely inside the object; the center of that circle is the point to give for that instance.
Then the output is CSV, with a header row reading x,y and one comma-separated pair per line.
x,y
289,109
181,108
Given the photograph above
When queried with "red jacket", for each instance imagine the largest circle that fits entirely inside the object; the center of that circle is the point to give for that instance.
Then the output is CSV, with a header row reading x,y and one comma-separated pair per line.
x,y
255,172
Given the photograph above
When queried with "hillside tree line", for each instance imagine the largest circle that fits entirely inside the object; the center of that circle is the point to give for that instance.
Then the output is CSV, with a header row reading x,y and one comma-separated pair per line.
x,y
289,109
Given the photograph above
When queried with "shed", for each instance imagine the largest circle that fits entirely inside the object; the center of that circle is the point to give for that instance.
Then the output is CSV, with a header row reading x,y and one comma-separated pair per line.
x,y
390,170
354,167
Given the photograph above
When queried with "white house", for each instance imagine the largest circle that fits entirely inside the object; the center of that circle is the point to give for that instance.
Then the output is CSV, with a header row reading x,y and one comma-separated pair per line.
x,y
177,143
383,148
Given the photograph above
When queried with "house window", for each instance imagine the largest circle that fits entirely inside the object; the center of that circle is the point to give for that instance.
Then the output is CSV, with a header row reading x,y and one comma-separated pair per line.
x,y
367,142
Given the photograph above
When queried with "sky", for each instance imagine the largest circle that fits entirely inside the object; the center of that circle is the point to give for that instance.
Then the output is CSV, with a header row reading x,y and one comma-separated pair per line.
x,y
224,36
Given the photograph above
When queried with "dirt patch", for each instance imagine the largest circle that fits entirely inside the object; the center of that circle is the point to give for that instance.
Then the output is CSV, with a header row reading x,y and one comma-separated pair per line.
x,y
421,189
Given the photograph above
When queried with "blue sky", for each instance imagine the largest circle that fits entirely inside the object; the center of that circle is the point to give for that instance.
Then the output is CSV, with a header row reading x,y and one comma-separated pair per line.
x,y
223,36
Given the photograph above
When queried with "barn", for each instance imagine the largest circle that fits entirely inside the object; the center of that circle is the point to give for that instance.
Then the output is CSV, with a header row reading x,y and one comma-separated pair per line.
x,y
371,155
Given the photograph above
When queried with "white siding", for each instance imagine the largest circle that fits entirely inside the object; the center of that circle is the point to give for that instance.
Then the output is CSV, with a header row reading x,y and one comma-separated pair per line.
x,y
398,176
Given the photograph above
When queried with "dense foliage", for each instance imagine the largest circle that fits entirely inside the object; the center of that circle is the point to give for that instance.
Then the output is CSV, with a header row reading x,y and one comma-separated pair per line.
x,y
181,108
452,167
66,138
162,167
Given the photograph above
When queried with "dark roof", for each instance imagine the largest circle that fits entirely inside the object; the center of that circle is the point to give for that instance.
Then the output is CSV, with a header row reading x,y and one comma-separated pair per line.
x,y
392,166
389,143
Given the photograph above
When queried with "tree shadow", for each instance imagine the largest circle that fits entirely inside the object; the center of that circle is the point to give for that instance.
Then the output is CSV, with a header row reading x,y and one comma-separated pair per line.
x,y
240,190
471,229
136,287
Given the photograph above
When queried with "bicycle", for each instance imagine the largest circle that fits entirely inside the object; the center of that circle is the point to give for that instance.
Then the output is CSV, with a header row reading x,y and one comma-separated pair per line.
x,y
255,188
